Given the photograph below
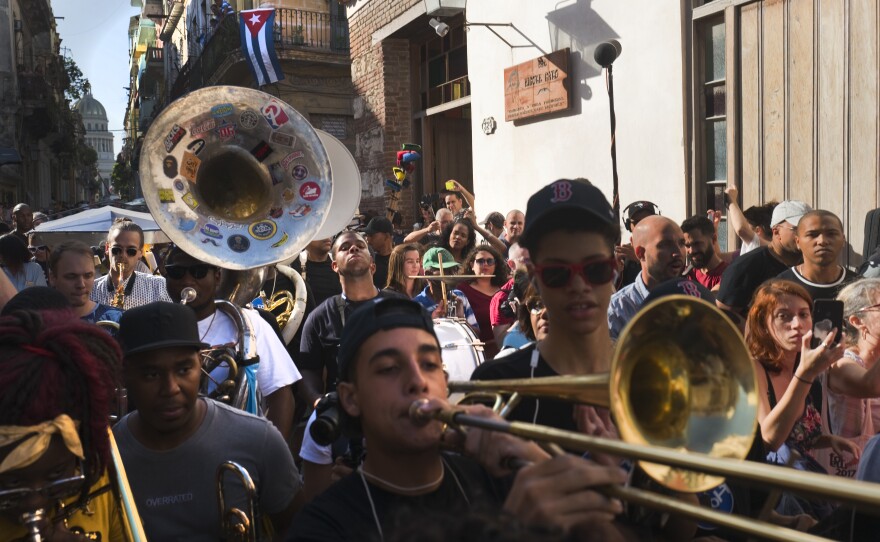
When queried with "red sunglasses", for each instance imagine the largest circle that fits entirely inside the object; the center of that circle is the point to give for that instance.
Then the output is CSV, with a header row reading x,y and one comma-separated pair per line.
x,y
594,272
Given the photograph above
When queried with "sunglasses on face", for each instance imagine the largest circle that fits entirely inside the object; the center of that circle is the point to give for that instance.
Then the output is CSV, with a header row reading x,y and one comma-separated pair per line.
x,y
53,491
177,272
485,261
535,306
40,248
559,275
131,252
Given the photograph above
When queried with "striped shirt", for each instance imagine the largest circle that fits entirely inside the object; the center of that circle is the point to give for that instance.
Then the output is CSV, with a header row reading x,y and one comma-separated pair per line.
x,y
140,289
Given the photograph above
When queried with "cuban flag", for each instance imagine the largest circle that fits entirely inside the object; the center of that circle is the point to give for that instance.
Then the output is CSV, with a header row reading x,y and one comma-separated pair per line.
x,y
258,44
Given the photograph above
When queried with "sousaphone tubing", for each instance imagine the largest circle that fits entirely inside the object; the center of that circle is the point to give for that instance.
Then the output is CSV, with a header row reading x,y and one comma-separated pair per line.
x,y
236,176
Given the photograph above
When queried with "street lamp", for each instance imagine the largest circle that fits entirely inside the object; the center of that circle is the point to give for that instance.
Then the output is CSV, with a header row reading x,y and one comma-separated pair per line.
x,y
444,8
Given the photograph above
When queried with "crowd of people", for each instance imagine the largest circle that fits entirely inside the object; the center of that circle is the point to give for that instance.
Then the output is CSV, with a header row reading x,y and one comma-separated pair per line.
x,y
338,428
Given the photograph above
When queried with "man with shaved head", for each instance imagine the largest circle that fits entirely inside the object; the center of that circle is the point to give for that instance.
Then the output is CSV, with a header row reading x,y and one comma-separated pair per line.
x,y
22,221
659,245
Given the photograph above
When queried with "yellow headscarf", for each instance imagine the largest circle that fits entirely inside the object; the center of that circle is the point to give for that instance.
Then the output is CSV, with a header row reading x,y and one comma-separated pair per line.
x,y
35,440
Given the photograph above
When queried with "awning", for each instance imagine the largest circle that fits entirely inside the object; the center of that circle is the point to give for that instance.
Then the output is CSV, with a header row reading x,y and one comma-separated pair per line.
x,y
8,155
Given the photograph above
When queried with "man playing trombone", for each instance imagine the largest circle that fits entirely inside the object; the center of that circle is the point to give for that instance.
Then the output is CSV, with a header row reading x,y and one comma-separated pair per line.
x,y
389,360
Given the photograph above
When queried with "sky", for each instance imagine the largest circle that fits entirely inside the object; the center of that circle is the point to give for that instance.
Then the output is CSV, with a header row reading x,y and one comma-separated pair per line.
x,y
95,32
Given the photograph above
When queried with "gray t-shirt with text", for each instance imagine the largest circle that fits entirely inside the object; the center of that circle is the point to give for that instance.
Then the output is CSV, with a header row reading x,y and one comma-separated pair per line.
x,y
175,490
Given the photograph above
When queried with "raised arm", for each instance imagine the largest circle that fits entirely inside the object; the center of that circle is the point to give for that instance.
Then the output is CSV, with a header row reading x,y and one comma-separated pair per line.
x,y
496,243
417,235
736,218
468,197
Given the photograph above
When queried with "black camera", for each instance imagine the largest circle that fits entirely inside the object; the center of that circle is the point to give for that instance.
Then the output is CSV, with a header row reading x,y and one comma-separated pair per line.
x,y
327,427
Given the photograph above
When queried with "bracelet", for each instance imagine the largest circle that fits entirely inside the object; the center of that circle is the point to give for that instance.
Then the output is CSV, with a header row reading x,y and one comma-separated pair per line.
x,y
805,381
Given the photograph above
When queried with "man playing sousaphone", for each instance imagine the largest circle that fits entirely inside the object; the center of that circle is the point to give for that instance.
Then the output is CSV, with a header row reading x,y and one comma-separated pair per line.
x,y
275,374
127,287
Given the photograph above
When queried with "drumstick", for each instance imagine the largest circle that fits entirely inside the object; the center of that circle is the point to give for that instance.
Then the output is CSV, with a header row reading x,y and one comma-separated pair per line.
x,y
442,282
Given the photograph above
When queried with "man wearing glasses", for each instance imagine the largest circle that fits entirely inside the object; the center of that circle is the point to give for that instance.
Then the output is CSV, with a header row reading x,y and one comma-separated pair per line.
x,y
275,372
570,235
125,244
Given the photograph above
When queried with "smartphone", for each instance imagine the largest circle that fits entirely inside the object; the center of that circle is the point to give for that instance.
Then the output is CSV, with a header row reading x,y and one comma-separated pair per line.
x,y
827,315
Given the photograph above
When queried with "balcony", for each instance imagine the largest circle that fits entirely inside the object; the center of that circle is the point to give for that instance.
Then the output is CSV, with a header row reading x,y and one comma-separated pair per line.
x,y
295,30
154,9
33,89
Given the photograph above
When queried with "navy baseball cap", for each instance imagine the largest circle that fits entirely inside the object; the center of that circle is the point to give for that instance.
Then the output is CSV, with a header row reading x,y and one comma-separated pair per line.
x,y
564,195
680,286
378,314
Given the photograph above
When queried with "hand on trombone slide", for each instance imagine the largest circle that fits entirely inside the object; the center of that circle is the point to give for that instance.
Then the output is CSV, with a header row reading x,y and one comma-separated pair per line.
x,y
557,490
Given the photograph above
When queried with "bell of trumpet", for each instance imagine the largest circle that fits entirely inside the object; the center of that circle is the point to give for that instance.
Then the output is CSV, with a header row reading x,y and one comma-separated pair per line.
x,y
681,378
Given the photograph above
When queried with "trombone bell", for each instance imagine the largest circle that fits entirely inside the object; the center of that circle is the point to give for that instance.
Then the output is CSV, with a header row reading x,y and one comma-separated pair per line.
x,y
681,378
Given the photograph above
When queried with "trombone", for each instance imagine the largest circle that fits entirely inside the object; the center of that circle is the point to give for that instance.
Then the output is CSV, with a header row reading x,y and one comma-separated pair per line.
x,y
682,389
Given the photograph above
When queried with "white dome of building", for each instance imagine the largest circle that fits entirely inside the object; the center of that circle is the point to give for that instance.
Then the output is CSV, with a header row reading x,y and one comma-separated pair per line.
x,y
98,137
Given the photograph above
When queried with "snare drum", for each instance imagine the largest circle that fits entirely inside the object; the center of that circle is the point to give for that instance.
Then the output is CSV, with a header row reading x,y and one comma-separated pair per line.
x,y
461,349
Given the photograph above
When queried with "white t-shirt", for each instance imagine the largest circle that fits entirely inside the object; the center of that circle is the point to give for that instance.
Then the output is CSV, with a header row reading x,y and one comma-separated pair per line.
x,y
276,368
752,245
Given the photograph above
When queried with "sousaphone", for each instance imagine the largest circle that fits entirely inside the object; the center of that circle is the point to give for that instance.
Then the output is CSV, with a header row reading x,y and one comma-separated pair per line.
x,y
236,176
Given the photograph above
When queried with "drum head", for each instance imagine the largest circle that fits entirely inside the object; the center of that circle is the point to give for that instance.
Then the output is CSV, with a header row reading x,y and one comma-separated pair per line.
x,y
460,348
236,176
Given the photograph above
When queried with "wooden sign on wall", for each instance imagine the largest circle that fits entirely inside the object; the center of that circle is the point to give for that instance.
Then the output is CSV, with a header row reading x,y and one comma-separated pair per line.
x,y
537,87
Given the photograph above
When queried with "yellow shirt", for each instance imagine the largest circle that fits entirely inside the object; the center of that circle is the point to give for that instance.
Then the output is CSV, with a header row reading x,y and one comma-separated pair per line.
x,y
101,520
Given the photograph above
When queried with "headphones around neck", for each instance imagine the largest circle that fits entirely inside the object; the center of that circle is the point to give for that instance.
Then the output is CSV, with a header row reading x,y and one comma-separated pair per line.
x,y
637,207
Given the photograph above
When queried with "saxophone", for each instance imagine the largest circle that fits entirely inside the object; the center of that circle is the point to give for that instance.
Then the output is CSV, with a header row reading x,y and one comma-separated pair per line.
x,y
119,297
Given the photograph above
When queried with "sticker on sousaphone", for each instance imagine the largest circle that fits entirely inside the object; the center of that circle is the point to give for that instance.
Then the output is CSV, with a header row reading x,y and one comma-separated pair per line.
x,y
196,146
202,127
261,151
310,191
173,138
225,131
166,195
190,200
222,110
301,211
169,166
189,167
281,241
262,230
275,114
299,172
285,140
238,243
248,119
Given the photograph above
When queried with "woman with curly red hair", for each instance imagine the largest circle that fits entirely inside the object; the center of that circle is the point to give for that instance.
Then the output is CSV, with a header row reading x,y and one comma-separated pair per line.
x,y
57,381
778,333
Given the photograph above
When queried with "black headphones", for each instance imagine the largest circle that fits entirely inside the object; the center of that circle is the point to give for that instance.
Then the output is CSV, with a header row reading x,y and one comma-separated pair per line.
x,y
637,207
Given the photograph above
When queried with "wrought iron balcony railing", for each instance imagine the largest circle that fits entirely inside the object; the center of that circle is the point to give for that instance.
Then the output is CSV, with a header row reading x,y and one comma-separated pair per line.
x,y
294,29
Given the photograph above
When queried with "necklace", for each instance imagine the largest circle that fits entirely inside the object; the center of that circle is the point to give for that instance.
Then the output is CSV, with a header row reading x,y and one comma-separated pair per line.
x,y
413,490
365,475
210,325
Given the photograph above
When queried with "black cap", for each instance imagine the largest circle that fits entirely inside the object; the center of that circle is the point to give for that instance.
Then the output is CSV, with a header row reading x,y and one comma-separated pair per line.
x,y
564,194
378,314
158,325
379,224
680,286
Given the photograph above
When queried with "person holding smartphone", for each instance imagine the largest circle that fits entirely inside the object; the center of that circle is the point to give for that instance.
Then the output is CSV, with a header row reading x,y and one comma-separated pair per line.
x,y
779,330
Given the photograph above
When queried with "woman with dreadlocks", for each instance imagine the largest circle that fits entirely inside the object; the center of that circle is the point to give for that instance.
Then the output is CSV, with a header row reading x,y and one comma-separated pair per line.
x,y
57,378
